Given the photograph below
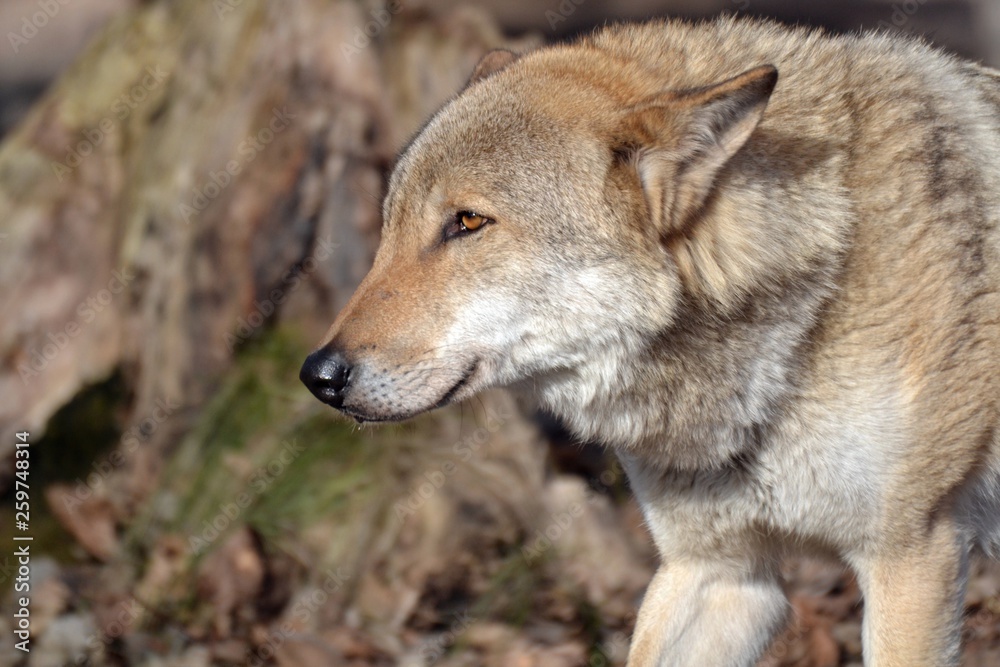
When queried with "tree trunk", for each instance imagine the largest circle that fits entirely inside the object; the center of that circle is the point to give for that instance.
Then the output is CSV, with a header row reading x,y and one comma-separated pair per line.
x,y
204,170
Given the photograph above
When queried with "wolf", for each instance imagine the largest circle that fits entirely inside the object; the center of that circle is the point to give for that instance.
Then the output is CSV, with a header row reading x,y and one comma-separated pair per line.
x,y
761,264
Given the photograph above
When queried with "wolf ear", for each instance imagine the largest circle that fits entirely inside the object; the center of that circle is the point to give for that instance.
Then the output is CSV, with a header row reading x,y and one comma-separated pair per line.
x,y
687,136
493,62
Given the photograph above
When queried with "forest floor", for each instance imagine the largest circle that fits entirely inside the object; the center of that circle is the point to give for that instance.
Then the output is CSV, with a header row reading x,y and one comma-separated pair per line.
x,y
278,534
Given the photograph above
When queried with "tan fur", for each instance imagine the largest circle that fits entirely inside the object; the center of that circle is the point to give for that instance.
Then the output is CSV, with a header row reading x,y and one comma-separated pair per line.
x,y
780,304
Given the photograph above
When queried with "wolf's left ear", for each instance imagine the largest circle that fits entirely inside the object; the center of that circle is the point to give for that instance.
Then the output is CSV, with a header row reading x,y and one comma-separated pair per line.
x,y
493,62
687,136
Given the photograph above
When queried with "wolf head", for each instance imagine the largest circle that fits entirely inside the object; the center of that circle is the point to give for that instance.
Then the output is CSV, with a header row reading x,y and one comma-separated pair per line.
x,y
539,230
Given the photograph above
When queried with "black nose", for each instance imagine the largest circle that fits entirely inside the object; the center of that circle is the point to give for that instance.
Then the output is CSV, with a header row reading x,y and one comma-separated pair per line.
x,y
326,373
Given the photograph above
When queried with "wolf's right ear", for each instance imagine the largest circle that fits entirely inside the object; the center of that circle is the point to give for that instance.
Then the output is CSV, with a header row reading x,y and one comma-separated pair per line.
x,y
684,138
493,62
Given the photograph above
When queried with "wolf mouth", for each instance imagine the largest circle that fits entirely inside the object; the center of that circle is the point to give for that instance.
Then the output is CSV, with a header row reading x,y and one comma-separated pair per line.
x,y
462,381
363,418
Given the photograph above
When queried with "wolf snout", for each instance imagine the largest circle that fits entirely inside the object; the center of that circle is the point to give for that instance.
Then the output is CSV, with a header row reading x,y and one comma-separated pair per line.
x,y
327,374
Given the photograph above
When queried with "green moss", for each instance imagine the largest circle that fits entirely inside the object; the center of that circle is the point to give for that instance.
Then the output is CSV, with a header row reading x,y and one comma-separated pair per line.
x,y
592,628
81,433
512,593
266,454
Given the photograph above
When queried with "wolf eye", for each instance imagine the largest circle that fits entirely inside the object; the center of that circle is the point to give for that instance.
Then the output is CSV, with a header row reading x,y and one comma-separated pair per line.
x,y
465,222
471,221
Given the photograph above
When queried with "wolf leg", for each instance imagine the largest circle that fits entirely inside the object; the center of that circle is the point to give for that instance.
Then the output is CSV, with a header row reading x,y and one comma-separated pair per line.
x,y
704,614
913,600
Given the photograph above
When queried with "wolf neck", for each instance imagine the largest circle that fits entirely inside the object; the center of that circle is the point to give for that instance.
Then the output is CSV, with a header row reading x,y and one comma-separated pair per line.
x,y
700,394
757,268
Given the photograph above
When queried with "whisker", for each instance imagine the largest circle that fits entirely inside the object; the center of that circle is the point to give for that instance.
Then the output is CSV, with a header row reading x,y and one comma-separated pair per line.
x,y
358,185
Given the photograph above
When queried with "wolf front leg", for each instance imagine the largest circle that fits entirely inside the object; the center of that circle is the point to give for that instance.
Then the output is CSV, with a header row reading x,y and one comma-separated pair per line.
x,y
704,614
914,596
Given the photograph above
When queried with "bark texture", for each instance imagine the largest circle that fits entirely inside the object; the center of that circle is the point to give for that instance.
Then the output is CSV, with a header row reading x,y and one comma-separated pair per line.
x,y
204,169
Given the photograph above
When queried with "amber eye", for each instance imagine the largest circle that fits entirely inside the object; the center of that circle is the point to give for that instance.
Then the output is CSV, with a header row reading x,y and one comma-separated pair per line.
x,y
471,221
465,222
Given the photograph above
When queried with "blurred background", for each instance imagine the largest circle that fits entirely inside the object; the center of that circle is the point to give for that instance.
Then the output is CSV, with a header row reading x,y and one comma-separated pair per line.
x,y
189,190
